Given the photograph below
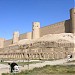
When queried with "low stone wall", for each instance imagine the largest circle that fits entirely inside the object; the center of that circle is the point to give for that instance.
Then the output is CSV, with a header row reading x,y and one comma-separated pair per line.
x,y
38,50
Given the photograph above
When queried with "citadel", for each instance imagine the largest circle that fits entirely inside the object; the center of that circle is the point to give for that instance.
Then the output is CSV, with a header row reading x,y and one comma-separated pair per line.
x,y
54,41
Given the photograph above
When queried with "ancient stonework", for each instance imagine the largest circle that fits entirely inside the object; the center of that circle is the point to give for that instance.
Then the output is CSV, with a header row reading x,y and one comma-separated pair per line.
x,y
54,41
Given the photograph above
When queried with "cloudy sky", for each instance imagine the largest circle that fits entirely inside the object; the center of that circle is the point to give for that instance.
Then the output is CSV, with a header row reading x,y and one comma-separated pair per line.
x,y
18,15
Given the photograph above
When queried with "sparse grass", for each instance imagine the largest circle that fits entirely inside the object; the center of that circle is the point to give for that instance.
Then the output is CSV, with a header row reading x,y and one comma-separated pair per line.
x,y
3,62
23,63
49,70
26,63
72,61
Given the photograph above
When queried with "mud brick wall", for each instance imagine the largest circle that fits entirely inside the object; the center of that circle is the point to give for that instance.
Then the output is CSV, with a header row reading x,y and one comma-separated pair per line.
x,y
57,28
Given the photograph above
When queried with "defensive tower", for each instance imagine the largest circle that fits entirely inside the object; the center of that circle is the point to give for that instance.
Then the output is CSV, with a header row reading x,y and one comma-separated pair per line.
x,y
15,37
35,30
72,19
2,42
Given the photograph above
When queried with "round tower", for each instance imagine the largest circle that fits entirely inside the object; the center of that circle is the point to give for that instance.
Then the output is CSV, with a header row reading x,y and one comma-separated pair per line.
x,y
2,42
72,19
15,37
35,30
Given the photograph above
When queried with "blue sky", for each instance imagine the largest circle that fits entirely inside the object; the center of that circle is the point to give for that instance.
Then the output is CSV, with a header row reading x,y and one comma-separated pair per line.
x,y
18,15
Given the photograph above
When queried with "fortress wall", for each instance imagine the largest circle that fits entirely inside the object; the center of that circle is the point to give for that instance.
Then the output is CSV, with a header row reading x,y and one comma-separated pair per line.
x,y
57,28
8,42
29,35
23,36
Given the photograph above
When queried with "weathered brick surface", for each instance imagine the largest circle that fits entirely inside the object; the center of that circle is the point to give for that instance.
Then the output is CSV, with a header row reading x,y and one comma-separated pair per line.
x,y
44,49
38,50
57,28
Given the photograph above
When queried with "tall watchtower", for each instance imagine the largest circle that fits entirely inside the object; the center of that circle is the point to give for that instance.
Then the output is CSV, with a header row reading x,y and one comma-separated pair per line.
x,y
2,42
15,37
72,19
35,30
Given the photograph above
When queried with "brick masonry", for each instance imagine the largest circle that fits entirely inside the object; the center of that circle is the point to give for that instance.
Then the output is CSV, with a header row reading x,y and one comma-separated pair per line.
x,y
40,50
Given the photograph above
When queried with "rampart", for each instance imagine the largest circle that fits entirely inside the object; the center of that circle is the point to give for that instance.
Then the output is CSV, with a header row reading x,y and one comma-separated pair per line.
x,y
60,27
44,49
